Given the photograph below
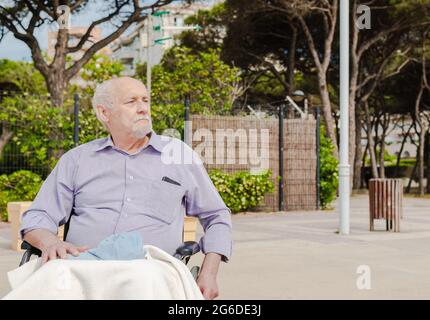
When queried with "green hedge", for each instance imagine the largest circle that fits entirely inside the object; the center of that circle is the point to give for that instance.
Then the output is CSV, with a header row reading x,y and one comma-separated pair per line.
x,y
329,176
242,191
21,185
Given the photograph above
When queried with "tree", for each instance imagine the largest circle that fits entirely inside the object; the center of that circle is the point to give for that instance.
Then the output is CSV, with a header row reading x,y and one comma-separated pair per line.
x,y
212,85
212,33
410,91
326,11
261,41
100,68
27,80
26,16
383,46
23,75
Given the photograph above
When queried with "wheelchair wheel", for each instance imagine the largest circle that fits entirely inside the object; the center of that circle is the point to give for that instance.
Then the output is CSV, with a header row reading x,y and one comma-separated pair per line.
x,y
195,272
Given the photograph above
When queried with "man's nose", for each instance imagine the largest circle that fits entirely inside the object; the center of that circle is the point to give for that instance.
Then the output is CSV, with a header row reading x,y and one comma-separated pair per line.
x,y
143,106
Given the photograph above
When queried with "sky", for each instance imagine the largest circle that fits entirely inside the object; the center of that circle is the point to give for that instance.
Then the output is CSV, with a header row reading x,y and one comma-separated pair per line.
x,y
14,49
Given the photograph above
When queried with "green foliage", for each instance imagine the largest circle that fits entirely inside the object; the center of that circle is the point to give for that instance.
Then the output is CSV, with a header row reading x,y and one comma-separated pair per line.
x,y
23,75
211,84
329,178
389,160
42,132
99,69
266,88
242,191
211,35
21,185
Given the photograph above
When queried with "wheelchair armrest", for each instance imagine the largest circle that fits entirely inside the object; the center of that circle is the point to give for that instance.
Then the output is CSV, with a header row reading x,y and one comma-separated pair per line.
x,y
187,249
29,251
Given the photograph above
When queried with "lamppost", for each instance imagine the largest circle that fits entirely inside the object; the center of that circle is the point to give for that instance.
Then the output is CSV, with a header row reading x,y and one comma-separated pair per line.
x,y
150,28
344,168
299,96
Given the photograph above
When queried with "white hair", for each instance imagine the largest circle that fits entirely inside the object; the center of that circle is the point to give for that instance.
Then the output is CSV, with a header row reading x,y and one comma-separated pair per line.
x,y
103,95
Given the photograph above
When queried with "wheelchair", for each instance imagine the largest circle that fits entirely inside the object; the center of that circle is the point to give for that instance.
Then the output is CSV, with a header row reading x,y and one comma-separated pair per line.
x,y
183,252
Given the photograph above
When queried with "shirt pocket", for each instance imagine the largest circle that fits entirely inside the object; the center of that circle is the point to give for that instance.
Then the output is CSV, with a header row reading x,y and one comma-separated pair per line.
x,y
162,201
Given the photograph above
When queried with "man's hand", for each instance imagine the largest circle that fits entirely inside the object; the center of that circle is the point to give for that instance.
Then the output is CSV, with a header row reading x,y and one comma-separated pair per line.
x,y
51,247
60,249
208,286
207,277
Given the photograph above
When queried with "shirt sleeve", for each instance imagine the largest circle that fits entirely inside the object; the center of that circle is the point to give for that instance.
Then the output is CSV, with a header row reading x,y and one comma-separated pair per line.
x,y
203,201
52,206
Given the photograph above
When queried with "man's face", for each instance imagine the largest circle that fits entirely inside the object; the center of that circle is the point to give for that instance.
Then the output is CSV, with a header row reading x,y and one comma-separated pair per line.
x,y
131,113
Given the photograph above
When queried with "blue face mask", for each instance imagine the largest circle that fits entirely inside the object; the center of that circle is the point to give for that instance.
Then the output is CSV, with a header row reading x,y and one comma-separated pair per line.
x,y
124,246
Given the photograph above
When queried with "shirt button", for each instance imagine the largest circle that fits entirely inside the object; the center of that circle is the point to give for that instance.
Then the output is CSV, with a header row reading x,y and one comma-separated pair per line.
x,y
131,177
128,199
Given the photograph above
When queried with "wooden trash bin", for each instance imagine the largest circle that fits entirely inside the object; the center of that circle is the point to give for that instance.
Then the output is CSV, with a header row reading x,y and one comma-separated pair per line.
x,y
385,202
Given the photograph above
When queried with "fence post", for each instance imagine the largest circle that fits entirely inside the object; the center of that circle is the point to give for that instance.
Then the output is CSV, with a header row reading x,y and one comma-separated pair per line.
x,y
187,127
318,142
281,158
76,119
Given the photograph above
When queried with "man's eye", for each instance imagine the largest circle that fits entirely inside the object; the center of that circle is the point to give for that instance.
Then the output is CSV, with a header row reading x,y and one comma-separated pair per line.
x,y
131,101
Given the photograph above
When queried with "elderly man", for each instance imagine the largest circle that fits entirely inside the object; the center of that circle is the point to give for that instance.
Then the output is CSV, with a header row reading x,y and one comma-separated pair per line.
x,y
121,183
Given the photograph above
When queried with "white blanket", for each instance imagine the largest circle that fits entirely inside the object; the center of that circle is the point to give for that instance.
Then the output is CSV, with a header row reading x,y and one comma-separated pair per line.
x,y
158,276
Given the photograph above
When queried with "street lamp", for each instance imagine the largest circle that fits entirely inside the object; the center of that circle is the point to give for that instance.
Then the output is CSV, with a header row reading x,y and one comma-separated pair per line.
x,y
344,167
299,96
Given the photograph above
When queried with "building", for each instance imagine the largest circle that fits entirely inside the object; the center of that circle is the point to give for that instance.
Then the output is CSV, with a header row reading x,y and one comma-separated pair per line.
x,y
132,49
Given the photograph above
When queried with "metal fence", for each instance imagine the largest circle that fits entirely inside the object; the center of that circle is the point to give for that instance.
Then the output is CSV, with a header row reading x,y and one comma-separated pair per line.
x,y
292,150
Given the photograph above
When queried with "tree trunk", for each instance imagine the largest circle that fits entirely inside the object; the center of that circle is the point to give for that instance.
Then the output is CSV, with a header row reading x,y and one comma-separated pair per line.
x,y
385,124
376,122
336,119
56,87
372,154
326,108
4,139
427,159
355,149
291,60
381,158
421,159
411,178
402,146
422,127
358,153
290,69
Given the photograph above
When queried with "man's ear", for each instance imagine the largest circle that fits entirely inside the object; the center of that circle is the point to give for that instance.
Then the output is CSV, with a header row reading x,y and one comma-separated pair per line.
x,y
103,113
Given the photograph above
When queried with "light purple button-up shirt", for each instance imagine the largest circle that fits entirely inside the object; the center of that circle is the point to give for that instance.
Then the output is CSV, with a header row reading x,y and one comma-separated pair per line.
x,y
112,192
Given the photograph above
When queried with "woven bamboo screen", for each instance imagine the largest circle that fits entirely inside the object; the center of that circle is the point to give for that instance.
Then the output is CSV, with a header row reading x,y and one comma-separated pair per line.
x,y
259,137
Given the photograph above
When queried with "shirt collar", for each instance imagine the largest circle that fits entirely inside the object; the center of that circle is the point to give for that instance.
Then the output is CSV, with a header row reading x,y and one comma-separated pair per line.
x,y
155,141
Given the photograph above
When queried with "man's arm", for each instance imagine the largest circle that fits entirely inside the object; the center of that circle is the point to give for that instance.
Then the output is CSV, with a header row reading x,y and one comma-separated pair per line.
x,y
203,201
207,277
50,209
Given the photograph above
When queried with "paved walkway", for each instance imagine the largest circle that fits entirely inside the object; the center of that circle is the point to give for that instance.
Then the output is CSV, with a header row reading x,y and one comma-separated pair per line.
x,y
298,255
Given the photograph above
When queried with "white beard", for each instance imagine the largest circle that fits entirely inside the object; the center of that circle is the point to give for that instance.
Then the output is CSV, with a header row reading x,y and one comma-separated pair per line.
x,y
140,131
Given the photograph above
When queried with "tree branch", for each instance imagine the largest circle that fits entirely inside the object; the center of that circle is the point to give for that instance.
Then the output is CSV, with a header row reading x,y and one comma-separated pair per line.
x,y
134,17
87,34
